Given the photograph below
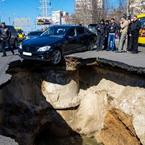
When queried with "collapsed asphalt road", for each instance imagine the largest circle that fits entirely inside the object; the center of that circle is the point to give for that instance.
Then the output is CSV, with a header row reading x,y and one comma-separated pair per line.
x,y
134,62
41,99
4,64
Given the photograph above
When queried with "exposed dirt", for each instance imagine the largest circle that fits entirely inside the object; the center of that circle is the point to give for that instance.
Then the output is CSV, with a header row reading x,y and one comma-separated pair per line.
x,y
36,114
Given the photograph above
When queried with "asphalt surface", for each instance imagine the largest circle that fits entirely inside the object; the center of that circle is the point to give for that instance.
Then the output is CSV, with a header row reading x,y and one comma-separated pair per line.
x,y
135,60
4,64
132,60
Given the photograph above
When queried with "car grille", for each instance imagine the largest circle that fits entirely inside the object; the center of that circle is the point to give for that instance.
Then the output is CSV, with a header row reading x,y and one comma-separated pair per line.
x,y
30,49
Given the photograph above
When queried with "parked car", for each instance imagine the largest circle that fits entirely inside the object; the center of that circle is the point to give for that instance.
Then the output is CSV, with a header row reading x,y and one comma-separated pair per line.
x,y
57,41
34,34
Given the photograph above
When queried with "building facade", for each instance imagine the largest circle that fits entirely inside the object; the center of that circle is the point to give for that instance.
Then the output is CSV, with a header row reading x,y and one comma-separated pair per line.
x,y
59,17
88,11
137,6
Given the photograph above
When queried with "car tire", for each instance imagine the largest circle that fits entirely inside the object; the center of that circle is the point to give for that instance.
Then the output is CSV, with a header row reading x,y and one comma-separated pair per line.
x,y
56,57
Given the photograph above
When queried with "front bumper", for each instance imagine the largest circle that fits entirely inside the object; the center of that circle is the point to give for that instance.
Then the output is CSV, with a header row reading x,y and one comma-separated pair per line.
x,y
46,56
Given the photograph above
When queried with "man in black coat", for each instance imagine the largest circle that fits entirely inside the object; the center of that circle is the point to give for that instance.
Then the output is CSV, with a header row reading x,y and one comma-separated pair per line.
x,y
133,33
100,34
106,34
5,35
129,40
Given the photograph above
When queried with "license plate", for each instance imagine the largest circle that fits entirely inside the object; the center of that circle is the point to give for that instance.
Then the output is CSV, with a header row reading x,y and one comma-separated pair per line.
x,y
27,53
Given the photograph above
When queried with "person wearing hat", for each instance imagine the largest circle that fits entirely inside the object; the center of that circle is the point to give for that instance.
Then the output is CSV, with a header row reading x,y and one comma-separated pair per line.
x,y
129,39
124,23
100,34
5,35
106,34
134,29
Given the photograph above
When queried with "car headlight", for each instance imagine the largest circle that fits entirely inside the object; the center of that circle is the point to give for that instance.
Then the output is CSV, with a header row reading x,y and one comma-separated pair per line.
x,y
27,37
45,48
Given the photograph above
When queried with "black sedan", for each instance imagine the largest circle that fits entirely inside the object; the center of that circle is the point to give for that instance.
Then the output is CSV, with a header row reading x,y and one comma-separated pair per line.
x,y
57,41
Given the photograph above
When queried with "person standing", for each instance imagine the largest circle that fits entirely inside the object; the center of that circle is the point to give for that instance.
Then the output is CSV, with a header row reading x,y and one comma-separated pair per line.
x,y
123,34
5,38
134,29
113,29
129,41
100,34
106,34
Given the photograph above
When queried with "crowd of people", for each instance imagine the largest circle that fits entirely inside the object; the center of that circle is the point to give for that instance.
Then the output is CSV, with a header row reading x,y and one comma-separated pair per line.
x,y
127,32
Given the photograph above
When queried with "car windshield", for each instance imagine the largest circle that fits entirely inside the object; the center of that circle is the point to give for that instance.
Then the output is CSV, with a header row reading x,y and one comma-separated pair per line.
x,y
56,30
35,33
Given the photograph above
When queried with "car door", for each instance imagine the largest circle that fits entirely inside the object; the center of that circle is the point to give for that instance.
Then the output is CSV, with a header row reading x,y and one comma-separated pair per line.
x,y
71,43
90,38
81,36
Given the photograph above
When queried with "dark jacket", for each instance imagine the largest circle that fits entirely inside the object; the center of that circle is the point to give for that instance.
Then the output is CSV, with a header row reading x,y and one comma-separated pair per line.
x,y
100,29
129,29
107,29
113,28
135,27
5,34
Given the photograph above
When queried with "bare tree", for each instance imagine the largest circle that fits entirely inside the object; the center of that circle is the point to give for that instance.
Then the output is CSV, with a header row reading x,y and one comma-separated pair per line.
x,y
137,6
73,19
89,11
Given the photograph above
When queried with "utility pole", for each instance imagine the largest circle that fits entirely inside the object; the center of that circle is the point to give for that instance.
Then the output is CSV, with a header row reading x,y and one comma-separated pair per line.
x,y
128,8
45,7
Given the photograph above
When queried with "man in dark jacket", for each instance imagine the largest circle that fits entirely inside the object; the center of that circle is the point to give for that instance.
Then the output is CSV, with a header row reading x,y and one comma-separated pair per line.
x,y
5,35
113,29
129,40
100,34
133,33
106,34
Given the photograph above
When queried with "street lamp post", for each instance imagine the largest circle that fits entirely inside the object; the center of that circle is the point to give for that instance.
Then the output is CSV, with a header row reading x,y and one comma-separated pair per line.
x,y
128,8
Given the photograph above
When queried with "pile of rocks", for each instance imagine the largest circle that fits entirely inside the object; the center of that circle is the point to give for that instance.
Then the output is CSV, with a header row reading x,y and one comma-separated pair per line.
x,y
7,141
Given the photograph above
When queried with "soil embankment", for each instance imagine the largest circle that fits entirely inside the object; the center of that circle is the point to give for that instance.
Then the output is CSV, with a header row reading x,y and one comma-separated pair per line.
x,y
97,104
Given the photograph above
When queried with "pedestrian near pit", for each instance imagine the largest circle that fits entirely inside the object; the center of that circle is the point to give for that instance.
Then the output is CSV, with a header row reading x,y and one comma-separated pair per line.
x,y
100,34
113,29
106,34
5,39
129,40
124,23
134,29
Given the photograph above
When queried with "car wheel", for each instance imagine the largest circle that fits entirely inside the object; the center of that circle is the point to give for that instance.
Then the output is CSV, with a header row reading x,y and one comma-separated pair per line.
x,y
56,57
